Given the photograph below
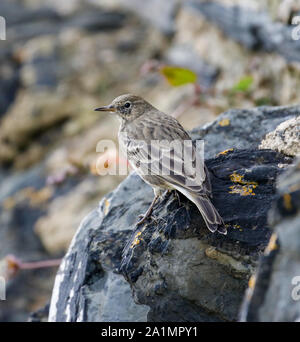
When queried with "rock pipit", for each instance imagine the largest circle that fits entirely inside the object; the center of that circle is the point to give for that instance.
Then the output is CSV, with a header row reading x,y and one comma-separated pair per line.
x,y
163,155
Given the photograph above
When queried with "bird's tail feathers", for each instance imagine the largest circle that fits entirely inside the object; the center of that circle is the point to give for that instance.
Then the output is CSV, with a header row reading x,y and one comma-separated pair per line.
x,y
210,214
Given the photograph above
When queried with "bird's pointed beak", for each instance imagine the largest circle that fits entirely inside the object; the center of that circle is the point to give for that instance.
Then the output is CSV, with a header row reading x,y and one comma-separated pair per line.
x,y
109,108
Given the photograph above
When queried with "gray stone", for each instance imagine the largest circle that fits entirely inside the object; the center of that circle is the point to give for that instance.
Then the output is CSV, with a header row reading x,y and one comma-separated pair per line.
x,y
29,23
18,237
160,14
169,260
275,297
285,138
88,286
242,128
255,30
13,239
9,83
185,273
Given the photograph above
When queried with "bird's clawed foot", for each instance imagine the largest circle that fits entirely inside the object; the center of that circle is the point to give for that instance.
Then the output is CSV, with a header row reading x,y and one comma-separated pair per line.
x,y
143,218
148,213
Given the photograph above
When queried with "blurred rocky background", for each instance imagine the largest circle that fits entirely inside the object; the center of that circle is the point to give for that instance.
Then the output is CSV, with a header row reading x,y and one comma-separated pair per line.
x,y
61,59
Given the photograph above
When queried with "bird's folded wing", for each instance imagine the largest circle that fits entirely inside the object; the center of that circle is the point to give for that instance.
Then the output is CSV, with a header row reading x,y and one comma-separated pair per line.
x,y
177,163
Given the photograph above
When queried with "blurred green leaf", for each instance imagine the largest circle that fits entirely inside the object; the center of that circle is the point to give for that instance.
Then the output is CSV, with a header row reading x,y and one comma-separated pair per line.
x,y
264,101
177,76
244,84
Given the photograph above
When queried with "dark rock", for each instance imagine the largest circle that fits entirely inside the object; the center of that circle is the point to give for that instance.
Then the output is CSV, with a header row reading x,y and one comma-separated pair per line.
x,y
242,128
17,12
18,180
275,296
96,19
175,266
17,237
45,70
160,14
88,286
16,225
172,256
255,30
9,83
40,315
26,292
46,21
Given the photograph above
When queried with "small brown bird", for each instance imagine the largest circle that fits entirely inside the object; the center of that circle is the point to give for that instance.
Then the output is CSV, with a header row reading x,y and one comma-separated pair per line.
x,y
141,124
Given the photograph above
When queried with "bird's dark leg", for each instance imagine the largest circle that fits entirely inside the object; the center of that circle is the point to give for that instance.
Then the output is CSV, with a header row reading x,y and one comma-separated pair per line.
x,y
168,192
149,211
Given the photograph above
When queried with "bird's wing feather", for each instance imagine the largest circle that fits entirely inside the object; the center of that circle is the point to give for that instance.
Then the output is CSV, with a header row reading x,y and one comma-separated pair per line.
x,y
168,157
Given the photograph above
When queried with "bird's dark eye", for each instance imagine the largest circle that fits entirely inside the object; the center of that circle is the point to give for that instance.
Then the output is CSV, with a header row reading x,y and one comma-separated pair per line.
x,y
127,104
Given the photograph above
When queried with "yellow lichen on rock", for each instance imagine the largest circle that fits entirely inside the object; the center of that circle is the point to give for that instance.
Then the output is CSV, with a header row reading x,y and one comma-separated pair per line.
x,y
272,245
225,151
252,282
287,201
136,240
244,190
242,187
224,122
234,226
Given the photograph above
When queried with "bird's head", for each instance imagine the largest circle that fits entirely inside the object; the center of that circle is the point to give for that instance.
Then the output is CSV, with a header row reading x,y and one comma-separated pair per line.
x,y
128,107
